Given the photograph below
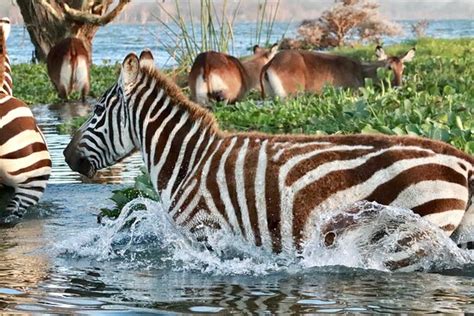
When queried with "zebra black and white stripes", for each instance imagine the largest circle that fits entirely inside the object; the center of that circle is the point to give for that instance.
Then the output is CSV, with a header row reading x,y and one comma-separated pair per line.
x,y
25,163
266,189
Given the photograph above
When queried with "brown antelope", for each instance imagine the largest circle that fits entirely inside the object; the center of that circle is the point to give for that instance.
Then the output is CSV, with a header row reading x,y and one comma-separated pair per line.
x,y
293,71
68,67
266,189
223,77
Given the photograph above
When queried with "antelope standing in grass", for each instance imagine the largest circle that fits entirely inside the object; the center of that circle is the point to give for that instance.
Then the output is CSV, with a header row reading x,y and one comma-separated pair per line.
x,y
68,67
266,189
220,77
292,71
25,163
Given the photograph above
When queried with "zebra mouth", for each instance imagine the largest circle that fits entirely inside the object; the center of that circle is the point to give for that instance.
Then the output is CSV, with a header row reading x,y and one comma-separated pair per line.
x,y
91,173
81,165
86,168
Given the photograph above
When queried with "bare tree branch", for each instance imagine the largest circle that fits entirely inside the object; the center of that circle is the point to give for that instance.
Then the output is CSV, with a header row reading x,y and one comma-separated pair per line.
x,y
50,9
89,18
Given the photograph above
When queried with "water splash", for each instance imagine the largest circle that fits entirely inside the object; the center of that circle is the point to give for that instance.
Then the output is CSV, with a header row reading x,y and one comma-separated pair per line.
x,y
364,235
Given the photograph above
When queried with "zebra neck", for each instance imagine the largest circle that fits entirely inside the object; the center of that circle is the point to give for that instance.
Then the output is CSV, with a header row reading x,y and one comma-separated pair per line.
x,y
173,140
6,85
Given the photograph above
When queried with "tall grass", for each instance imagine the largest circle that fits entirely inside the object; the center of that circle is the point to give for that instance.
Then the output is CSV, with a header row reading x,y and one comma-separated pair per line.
x,y
212,28
266,17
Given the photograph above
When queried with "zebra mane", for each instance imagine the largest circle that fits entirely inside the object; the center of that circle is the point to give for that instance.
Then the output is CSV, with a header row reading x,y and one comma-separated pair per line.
x,y
3,51
196,112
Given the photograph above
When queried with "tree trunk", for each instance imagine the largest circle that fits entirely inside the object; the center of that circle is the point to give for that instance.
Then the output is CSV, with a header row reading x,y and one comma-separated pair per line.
x,y
48,22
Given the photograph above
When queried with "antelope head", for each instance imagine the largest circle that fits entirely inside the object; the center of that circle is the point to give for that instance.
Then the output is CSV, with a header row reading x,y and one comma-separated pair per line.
x,y
395,63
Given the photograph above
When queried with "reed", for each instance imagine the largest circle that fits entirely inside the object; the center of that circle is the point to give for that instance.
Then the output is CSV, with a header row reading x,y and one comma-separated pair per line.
x,y
188,33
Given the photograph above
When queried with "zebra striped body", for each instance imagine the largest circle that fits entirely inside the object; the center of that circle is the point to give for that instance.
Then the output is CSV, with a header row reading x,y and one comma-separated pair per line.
x,y
266,189
25,162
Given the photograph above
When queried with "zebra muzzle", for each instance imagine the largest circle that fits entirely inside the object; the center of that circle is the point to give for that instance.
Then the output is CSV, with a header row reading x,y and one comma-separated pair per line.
x,y
80,164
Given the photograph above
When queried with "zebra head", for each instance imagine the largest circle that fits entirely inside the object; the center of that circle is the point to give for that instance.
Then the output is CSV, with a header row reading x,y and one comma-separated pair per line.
x,y
107,136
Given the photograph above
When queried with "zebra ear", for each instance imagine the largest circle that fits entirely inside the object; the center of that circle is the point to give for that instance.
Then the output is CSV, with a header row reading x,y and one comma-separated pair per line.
x,y
146,59
130,70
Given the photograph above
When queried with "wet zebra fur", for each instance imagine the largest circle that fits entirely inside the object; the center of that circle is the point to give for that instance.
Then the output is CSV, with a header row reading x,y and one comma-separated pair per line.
x,y
25,163
267,189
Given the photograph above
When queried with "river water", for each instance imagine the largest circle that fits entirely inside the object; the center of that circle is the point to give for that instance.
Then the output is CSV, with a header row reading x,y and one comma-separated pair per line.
x,y
60,260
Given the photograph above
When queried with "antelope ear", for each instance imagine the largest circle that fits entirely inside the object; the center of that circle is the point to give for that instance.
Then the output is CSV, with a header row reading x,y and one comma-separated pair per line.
x,y
257,49
146,59
274,49
380,53
5,25
130,70
409,55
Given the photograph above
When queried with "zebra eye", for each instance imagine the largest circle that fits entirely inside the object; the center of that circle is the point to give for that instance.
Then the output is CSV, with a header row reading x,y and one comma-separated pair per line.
x,y
99,110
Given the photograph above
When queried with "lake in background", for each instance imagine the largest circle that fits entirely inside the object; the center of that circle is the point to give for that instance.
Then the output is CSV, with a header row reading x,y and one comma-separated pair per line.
x,y
59,260
113,42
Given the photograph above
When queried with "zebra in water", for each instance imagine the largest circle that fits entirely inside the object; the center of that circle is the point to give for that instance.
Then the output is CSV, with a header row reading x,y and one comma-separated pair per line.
x,y
25,163
267,189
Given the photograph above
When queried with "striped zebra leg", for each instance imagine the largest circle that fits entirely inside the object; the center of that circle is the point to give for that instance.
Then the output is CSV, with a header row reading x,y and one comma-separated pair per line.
x,y
26,194
464,234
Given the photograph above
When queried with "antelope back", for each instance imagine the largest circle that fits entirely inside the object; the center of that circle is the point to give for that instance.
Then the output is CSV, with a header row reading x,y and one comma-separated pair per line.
x,y
68,66
216,76
223,77
291,71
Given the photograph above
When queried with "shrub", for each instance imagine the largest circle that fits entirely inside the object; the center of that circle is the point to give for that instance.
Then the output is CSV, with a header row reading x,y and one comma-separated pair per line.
x,y
358,19
419,28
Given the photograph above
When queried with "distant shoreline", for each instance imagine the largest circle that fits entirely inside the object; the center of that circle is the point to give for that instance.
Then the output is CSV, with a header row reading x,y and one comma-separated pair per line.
x,y
288,21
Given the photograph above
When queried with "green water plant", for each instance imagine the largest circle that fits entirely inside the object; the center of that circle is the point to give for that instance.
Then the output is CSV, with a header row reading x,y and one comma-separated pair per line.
x,y
188,33
436,100
141,188
32,84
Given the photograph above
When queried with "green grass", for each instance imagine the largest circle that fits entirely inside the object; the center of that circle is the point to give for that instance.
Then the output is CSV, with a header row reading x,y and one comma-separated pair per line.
x,y
436,101
32,84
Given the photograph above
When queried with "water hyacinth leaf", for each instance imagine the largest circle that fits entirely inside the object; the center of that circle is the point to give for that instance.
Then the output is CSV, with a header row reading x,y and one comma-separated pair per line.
x,y
459,122
440,134
443,118
413,129
448,90
142,188
469,147
399,130
368,129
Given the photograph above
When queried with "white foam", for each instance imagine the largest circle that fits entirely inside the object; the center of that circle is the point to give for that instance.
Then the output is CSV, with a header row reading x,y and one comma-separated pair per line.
x,y
154,241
